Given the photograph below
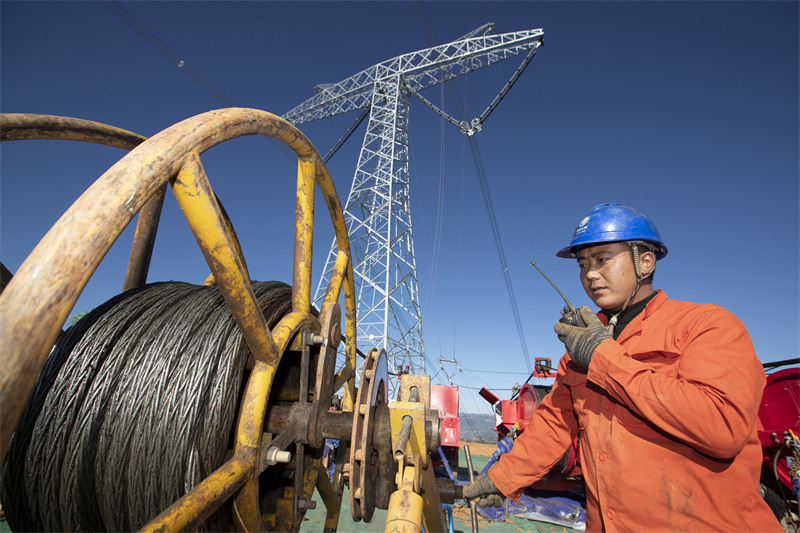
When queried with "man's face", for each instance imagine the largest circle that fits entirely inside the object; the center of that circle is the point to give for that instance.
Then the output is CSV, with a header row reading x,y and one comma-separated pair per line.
x,y
607,274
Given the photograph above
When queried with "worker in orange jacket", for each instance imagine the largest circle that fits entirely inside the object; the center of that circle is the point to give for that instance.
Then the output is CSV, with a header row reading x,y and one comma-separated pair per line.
x,y
662,394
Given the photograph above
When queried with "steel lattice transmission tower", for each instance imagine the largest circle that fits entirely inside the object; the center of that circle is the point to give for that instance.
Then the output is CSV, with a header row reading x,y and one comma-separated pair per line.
x,y
377,212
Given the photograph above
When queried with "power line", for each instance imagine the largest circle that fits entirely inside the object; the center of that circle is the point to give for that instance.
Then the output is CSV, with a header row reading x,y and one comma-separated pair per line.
x,y
171,55
455,96
496,372
176,59
498,241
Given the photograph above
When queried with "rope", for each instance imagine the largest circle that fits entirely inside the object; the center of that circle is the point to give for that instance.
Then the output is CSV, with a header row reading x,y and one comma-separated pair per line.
x,y
134,407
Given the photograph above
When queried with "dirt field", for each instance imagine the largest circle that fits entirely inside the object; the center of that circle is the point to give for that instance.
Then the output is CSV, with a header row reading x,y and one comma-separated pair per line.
x,y
480,448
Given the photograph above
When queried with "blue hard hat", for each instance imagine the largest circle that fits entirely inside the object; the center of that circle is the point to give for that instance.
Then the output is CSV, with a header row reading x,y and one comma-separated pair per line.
x,y
612,223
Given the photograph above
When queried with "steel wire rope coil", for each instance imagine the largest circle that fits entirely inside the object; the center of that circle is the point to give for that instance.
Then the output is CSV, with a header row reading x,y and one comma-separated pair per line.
x,y
134,406
14,493
35,303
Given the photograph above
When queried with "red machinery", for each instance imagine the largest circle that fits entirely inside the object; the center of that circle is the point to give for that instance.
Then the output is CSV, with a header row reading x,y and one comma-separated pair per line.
x,y
779,429
512,417
445,399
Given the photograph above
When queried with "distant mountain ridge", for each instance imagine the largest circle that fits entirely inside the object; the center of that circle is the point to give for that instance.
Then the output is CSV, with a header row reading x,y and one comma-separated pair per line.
x,y
478,427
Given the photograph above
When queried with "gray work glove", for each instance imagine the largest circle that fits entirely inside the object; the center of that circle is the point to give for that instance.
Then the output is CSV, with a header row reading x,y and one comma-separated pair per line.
x,y
484,491
581,342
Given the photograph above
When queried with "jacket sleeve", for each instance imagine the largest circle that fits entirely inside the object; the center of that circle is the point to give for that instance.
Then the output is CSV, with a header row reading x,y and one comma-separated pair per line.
x,y
547,436
708,400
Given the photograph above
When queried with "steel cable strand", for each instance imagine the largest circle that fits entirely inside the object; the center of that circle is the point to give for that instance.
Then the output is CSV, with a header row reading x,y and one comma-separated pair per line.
x,y
123,439
227,381
36,462
90,444
143,436
189,387
176,389
14,494
130,354
107,363
48,445
75,386
142,450
166,391
80,506
116,439
168,482
224,392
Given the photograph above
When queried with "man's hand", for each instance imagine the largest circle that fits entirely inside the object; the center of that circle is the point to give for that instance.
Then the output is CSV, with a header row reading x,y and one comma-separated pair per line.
x,y
581,342
484,491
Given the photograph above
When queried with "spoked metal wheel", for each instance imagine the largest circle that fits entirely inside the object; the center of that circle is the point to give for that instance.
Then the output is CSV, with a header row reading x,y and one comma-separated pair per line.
x,y
271,420
371,467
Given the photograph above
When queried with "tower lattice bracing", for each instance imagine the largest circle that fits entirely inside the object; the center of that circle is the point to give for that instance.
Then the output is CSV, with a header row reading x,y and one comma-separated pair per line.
x,y
378,217
378,209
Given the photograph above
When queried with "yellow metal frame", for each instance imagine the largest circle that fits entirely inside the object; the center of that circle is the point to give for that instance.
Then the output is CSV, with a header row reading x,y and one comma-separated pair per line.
x,y
416,501
414,452
37,300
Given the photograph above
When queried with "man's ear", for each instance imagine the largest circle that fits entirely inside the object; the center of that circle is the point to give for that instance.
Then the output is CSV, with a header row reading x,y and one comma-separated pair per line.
x,y
647,262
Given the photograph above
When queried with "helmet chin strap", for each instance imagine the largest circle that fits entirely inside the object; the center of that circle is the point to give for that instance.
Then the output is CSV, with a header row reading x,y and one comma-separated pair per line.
x,y
640,276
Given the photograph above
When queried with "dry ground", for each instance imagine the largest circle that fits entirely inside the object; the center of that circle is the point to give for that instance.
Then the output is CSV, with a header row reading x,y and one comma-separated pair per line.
x,y
480,448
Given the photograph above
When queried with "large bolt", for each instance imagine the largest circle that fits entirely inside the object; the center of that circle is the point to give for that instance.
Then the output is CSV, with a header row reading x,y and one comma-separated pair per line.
x,y
315,338
305,505
274,455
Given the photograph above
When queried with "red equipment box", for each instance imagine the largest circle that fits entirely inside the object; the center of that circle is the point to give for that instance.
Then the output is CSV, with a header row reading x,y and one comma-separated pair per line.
x,y
445,399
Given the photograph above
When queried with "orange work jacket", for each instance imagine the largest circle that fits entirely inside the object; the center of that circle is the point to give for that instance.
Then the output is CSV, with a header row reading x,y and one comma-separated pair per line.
x,y
666,417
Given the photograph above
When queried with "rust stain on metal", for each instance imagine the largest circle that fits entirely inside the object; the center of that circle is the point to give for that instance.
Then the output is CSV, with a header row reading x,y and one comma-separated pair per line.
x,y
36,302
28,126
199,503
222,254
143,241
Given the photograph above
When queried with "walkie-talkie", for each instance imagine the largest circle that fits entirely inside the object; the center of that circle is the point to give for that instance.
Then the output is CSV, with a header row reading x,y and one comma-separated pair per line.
x,y
576,316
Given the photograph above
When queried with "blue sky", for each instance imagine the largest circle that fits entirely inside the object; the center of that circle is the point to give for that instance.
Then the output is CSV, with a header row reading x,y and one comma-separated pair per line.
x,y
687,111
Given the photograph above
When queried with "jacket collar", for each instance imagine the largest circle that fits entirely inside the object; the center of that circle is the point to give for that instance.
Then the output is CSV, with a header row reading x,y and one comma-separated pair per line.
x,y
655,304
635,325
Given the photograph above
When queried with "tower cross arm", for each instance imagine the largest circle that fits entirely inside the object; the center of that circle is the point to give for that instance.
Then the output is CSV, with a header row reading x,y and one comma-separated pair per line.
x,y
421,69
